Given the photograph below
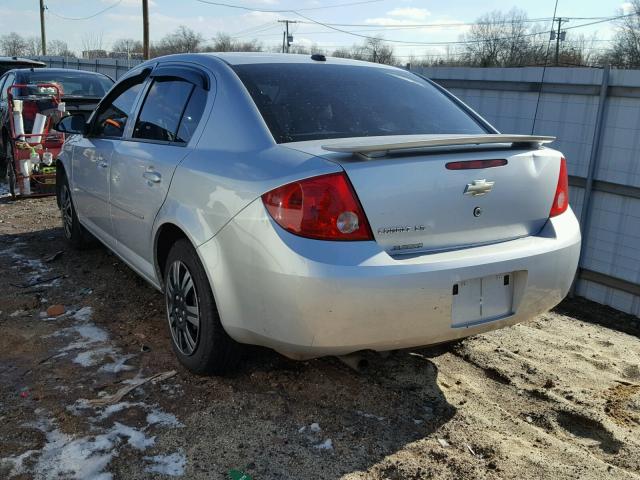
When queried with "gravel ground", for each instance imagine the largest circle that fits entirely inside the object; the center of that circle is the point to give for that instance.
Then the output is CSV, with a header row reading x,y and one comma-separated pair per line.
x,y
558,397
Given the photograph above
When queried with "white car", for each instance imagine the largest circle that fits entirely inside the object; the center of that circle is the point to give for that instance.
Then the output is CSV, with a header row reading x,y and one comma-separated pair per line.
x,y
317,206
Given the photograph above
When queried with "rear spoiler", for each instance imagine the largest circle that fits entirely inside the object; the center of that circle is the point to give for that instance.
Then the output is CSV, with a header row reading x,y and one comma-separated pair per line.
x,y
377,146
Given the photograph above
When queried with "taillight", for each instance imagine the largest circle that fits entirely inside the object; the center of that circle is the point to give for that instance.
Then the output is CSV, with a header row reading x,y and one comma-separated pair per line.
x,y
324,208
561,198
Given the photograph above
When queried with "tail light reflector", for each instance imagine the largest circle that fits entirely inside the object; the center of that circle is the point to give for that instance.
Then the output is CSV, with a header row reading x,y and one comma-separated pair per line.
x,y
323,208
561,198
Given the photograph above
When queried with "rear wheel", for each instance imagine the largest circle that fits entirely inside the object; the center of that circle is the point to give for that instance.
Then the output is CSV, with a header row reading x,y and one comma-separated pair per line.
x,y
75,233
11,170
198,338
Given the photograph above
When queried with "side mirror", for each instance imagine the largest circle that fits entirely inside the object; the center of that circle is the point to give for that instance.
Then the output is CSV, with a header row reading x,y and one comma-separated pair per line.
x,y
73,124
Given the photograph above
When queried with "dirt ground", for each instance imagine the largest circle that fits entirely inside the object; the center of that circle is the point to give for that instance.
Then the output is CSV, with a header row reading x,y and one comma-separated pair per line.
x,y
556,398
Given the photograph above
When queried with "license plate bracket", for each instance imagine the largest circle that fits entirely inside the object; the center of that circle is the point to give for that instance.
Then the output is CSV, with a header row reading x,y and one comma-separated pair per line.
x,y
480,300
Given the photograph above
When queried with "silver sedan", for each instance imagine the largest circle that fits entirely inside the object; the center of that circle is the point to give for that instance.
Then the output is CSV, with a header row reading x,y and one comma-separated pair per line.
x,y
317,206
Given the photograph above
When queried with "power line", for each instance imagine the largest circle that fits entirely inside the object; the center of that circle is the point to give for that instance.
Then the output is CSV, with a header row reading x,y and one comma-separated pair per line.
x,y
256,29
464,42
544,70
264,10
83,18
463,24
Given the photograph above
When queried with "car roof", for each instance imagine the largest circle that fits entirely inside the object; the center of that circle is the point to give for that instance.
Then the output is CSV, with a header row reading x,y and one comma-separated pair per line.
x,y
20,60
59,71
246,58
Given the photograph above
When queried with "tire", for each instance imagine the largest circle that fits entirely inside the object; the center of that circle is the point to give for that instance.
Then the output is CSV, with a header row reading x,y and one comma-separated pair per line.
x,y
11,170
76,234
197,336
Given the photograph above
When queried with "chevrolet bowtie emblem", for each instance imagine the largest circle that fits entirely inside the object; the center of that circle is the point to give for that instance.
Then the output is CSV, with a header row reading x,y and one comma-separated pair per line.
x,y
478,187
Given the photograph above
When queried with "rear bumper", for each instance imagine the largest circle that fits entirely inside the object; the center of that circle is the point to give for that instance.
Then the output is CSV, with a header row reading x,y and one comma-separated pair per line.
x,y
308,298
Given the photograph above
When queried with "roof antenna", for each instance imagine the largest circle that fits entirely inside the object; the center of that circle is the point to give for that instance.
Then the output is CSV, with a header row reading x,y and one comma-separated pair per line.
x,y
544,70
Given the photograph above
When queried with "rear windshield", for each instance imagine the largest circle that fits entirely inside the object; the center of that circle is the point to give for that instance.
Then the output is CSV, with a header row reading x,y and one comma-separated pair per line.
x,y
72,83
317,101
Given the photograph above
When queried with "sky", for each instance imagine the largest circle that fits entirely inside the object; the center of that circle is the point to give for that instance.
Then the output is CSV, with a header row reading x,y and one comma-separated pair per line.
x,y
388,18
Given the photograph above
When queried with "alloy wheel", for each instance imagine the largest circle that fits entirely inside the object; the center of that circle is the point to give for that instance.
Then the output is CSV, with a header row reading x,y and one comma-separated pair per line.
x,y
183,309
67,211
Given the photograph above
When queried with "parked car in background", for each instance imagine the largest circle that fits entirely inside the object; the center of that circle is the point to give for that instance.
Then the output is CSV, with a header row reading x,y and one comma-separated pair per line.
x,y
42,91
317,206
9,63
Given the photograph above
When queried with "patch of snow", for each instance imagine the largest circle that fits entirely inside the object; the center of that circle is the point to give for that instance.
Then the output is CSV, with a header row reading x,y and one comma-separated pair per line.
x,y
89,335
91,357
326,445
160,417
118,365
135,380
75,458
136,438
172,465
69,457
84,314
17,313
369,415
314,427
302,429
17,463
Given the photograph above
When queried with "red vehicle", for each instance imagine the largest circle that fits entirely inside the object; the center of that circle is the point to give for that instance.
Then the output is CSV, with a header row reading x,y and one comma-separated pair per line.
x,y
30,161
31,98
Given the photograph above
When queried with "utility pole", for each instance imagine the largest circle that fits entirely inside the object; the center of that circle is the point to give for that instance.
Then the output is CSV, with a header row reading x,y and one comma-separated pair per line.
x,y
289,38
559,35
145,29
43,36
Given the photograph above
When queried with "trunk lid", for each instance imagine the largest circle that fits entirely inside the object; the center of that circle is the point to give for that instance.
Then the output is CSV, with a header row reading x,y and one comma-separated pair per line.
x,y
414,203
80,105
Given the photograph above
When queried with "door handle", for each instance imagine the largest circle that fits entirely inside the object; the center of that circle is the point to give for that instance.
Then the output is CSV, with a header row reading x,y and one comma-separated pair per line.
x,y
152,176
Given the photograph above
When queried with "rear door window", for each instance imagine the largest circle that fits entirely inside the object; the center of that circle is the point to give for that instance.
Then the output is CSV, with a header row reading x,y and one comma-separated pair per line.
x,y
192,114
162,110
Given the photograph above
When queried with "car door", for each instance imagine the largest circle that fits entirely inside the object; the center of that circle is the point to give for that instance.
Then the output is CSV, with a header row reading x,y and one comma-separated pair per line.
x,y
92,154
144,162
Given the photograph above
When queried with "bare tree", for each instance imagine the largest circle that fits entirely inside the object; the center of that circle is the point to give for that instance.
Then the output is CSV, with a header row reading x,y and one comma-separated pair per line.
x,y
378,51
183,40
226,43
13,45
372,50
126,48
59,48
498,39
625,51
33,46
92,45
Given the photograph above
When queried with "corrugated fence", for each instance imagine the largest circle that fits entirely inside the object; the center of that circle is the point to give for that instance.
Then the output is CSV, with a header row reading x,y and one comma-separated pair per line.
x,y
594,113
114,67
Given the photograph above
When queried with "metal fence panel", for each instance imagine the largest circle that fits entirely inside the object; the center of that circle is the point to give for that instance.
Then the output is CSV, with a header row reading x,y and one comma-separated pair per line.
x,y
113,67
568,109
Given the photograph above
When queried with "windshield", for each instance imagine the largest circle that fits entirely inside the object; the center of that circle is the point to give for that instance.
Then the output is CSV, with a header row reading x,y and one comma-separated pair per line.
x,y
317,101
73,83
